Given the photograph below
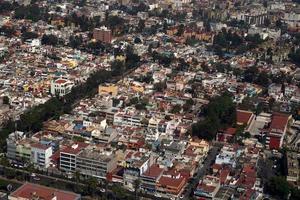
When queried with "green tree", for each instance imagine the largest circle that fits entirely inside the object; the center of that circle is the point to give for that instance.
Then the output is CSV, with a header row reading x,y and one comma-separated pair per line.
x,y
176,109
92,183
6,100
219,113
278,186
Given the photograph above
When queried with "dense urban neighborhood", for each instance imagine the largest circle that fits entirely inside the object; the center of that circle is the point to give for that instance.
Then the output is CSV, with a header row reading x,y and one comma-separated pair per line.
x,y
150,99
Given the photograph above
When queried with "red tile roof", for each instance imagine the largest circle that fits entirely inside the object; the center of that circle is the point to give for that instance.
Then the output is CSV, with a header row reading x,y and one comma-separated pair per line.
x,y
243,117
154,171
171,182
40,146
279,121
72,150
30,191
60,81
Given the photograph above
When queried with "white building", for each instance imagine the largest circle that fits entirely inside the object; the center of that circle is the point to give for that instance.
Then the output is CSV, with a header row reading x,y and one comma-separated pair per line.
x,y
61,87
40,155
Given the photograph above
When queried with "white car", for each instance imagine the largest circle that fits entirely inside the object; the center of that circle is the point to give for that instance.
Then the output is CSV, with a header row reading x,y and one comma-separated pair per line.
x,y
157,195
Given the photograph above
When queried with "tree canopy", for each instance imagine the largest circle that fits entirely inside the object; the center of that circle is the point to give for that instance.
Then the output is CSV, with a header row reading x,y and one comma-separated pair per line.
x,y
219,113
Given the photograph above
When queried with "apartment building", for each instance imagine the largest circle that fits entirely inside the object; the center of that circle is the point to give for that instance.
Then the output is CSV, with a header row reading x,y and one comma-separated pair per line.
x,y
40,155
103,34
95,163
68,155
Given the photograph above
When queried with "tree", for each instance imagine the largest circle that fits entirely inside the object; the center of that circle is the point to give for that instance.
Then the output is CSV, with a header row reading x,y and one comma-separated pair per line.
x,y
176,109
6,100
160,86
188,105
278,186
250,74
117,67
75,41
262,79
92,185
219,113
29,35
141,25
295,56
180,30
50,40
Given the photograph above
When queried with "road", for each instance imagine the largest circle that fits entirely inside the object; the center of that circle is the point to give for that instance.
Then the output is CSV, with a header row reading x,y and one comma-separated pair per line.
x,y
201,172
55,182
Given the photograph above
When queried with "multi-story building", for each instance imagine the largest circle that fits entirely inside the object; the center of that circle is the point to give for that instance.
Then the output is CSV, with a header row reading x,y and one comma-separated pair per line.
x,y
40,155
208,187
95,163
293,167
61,87
68,155
151,177
12,143
103,34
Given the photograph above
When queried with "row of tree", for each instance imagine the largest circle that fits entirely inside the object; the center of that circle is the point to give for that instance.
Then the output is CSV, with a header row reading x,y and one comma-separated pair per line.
x,y
32,120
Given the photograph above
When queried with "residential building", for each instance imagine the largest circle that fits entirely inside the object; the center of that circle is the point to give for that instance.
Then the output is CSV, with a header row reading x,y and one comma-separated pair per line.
x,y
103,34
208,187
293,168
68,157
95,163
150,177
40,155
61,87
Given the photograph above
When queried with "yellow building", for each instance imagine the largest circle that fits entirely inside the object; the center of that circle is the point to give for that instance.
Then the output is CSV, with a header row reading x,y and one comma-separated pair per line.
x,y
137,88
108,89
201,145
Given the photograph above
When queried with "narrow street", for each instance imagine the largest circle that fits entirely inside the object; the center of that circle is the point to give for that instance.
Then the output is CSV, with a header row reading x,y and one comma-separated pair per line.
x,y
201,172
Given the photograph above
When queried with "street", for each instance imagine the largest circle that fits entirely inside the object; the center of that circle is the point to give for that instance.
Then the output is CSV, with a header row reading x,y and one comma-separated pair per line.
x,y
201,172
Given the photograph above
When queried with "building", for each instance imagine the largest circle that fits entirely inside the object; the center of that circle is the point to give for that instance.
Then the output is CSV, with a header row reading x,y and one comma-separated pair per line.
x,y
227,155
108,90
277,130
171,183
40,154
12,143
61,87
29,191
208,187
151,177
293,167
95,163
68,156
103,34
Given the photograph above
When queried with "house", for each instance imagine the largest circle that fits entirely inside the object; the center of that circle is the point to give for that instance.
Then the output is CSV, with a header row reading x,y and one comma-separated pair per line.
x,y
208,187
108,90
61,87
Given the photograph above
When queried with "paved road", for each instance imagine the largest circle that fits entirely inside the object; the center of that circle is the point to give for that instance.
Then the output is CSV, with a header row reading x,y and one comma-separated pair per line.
x,y
201,172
